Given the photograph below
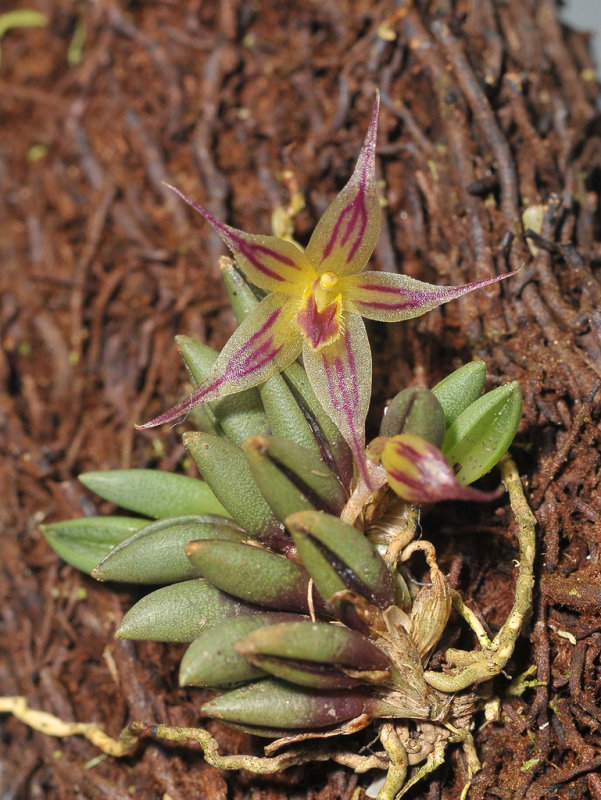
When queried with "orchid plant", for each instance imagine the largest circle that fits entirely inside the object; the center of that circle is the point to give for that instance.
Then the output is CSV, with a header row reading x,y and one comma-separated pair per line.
x,y
293,584
314,304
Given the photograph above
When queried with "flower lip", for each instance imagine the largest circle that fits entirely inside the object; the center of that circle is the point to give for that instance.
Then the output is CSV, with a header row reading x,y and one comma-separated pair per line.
x,y
319,325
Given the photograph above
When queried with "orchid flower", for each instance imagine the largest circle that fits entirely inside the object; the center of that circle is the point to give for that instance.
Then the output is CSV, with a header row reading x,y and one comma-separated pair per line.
x,y
316,298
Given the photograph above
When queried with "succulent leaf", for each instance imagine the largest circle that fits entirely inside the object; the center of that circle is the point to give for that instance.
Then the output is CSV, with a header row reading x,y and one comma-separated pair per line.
x,y
317,654
415,410
286,417
156,554
240,415
86,541
153,493
339,557
252,574
459,390
293,478
482,433
180,612
212,660
219,461
278,704
276,484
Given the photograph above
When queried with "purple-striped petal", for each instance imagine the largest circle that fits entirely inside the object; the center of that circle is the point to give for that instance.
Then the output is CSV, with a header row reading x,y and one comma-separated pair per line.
x,y
266,342
391,298
270,263
419,473
340,374
346,235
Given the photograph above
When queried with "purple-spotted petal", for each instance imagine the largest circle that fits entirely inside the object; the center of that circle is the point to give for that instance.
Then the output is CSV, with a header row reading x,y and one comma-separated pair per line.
x,y
419,473
347,233
266,342
390,298
270,263
340,374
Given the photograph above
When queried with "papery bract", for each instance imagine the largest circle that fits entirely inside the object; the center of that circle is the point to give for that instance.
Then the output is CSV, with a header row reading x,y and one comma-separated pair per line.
x,y
315,303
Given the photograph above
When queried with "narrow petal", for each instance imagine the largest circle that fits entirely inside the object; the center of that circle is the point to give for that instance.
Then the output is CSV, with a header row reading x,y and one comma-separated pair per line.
x,y
268,262
340,374
347,233
419,473
266,342
391,298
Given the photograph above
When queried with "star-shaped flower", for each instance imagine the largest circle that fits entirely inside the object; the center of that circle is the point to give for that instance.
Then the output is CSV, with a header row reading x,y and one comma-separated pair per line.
x,y
315,303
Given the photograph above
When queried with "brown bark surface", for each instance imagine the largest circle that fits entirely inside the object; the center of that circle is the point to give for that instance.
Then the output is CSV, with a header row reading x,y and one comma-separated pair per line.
x,y
488,110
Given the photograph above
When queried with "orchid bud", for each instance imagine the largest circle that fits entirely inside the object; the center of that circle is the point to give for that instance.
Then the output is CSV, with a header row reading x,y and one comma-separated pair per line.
x,y
419,473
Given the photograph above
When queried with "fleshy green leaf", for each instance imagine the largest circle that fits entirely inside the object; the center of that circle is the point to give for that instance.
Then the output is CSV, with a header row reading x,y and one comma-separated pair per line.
x,y
286,418
153,493
156,553
481,434
212,660
318,654
415,410
252,574
226,470
180,612
459,390
274,703
292,478
86,541
339,557
334,449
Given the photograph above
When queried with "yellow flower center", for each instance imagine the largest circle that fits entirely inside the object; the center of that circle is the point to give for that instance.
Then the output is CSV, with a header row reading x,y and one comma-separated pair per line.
x,y
319,314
